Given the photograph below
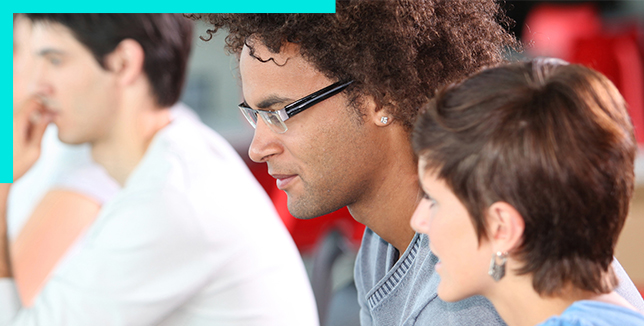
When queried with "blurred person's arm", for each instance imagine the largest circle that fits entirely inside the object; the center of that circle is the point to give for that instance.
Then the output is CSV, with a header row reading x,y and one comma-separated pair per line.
x,y
56,223
139,262
29,125
5,267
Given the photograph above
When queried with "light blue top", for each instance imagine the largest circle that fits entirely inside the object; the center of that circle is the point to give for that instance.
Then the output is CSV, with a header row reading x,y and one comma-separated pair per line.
x,y
393,291
595,313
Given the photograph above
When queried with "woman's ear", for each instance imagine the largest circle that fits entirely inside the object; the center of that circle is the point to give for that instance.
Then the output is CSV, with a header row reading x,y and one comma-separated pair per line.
x,y
506,226
126,61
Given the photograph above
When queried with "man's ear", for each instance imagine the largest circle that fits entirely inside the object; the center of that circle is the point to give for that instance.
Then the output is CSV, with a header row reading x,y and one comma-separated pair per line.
x,y
126,61
374,113
506,227
383,118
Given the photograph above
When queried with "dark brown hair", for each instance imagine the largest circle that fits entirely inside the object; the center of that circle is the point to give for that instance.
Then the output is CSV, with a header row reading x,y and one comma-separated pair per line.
x,y
553,140
166,40
398,52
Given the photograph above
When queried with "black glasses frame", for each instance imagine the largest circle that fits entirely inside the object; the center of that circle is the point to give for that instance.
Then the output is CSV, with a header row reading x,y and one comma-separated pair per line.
x,y
315,98
291,109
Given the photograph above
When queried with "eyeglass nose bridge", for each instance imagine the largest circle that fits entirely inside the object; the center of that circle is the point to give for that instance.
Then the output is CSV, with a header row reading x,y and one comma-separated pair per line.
x,y
249,114
275,120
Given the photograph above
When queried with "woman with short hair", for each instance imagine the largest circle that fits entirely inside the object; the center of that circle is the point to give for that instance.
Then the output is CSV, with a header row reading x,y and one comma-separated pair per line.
x,y
528,174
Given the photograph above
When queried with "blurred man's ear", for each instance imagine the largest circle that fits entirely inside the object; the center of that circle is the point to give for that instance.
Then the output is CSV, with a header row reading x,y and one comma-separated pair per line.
x,y
126,61
506,226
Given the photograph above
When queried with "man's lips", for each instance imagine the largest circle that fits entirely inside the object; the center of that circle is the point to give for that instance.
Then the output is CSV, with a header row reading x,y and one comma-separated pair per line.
x,y
50,110
283,179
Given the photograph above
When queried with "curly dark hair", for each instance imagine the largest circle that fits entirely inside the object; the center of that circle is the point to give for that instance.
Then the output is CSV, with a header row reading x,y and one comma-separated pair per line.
x,y
398,52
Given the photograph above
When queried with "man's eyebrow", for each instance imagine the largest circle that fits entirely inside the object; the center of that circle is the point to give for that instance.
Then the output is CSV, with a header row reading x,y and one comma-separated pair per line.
x,y
49,51
272,100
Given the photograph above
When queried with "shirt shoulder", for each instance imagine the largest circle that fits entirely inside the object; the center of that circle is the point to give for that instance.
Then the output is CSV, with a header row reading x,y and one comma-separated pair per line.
x,y
595,313
90,180
401,290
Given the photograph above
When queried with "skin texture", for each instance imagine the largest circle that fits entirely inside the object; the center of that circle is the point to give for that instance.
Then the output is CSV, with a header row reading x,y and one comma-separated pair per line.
x,y
463,261
330,157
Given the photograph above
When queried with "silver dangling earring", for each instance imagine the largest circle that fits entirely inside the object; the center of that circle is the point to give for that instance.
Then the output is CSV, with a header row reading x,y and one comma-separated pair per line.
x,y
384,120
497,271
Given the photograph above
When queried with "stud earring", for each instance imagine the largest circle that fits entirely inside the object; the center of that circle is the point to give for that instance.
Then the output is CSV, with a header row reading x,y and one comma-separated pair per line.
x,y
497,270
384,120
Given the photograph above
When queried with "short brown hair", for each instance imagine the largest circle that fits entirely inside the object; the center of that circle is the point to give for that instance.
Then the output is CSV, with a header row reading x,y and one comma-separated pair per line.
x,y
553,140
398,52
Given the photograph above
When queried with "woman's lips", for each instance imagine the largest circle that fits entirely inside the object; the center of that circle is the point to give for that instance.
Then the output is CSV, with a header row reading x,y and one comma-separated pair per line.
x,y
283,180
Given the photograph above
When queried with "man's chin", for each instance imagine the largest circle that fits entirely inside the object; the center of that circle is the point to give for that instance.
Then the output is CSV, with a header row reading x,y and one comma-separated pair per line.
x,y
301,209
306,209
302,214
69,140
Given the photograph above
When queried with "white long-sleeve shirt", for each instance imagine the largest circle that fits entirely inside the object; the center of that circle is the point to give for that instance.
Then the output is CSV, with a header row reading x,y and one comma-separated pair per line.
x,y
191,239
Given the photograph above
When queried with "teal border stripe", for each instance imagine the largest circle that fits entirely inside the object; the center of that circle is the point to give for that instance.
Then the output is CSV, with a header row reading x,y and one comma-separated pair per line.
x,y
121,6
6,125
160,6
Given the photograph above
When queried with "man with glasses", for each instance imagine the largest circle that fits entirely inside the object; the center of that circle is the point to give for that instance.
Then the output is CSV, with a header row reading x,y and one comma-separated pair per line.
x,y
191,239
337,95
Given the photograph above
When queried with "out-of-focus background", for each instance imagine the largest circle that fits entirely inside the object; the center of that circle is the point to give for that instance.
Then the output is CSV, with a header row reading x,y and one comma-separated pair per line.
x,y
605,35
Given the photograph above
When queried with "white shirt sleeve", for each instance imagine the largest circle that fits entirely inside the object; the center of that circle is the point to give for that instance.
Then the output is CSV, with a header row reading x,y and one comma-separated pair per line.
x,y
10,302
90,180
141,260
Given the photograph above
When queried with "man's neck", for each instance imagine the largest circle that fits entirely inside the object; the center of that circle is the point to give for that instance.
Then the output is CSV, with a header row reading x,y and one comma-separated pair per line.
x,y
387,207
125,146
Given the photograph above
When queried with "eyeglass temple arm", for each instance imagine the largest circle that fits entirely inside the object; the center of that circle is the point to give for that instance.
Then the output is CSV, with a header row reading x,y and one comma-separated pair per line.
x,y
321,95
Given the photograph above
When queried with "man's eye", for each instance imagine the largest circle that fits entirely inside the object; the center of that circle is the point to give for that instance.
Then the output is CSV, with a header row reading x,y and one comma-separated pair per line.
x,y
55,61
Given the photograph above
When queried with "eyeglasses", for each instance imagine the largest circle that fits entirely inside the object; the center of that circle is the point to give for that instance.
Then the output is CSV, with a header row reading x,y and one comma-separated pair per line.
x,y
275,119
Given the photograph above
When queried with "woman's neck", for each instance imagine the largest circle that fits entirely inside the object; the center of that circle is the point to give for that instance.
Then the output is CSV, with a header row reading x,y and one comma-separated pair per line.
x,y
520,305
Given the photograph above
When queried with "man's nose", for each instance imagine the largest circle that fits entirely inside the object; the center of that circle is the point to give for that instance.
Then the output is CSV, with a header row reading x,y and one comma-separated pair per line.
x,y
265,143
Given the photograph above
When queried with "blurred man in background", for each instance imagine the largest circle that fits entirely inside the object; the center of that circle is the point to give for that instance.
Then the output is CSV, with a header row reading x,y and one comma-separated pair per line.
x,y
60,196
191,239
